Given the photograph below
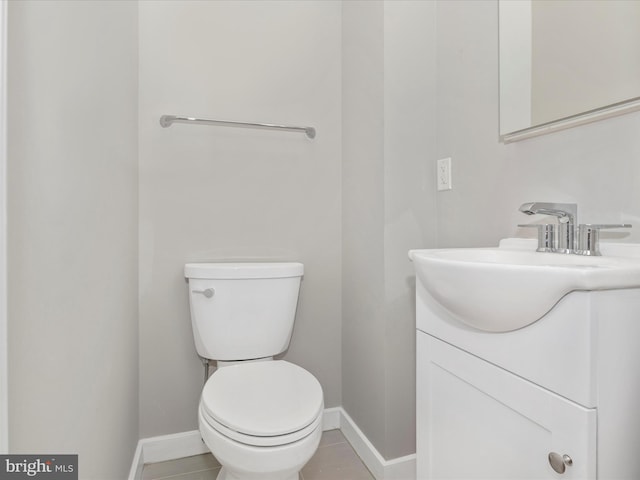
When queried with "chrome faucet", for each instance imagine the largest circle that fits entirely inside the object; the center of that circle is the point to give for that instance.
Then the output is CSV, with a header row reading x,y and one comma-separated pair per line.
x,y
583,240
567,214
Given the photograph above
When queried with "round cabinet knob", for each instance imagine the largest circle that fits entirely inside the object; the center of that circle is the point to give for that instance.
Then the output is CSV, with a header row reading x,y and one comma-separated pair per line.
x,y
559,463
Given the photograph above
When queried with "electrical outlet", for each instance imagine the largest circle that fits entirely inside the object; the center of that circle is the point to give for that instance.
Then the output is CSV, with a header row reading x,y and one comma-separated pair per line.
x,y
443,174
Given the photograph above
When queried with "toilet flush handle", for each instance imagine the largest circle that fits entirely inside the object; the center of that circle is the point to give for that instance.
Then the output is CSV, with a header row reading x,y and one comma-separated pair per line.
x,y
207,292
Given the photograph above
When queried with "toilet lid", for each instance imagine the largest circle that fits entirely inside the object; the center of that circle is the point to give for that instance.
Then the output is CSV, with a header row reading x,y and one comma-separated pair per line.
x,y
263,399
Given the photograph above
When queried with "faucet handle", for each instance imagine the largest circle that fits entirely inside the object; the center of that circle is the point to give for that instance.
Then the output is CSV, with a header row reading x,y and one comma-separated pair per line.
x,y
546,236
589,237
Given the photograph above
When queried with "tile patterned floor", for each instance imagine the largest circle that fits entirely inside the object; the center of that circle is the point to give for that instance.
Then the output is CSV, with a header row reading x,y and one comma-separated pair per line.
x,y
334,460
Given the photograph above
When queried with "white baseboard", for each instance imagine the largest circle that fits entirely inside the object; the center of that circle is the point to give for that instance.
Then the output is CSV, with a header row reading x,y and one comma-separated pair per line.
x,y
402,468
332,418
166,447
186,444
135,473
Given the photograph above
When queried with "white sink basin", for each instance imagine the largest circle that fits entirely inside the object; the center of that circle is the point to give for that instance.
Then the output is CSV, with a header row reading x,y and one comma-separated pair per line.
x,y
509,287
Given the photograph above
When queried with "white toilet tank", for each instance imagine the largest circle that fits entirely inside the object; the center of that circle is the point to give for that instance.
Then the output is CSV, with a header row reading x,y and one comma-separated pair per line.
x,y
242,311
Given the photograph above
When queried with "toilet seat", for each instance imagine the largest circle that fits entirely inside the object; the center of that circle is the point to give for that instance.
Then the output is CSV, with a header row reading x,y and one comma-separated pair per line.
x,y
255,441
262,403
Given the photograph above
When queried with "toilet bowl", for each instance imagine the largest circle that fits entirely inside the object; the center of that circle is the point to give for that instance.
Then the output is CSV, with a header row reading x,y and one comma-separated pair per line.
x,y
261,420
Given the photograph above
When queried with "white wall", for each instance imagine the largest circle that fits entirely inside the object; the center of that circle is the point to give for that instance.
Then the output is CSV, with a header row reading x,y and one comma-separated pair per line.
x,y
409,176
72,245
388,208
363,205
215,193
4,357
594,165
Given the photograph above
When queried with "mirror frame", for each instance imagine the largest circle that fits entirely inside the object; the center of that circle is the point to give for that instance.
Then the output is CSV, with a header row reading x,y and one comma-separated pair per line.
x,y
609,111
600,113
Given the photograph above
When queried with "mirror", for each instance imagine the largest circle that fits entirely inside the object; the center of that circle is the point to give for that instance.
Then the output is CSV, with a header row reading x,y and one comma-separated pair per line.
x,y
566,62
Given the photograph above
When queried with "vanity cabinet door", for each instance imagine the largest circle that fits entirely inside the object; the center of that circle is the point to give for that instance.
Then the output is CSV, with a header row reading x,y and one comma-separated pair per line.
x,y
478,421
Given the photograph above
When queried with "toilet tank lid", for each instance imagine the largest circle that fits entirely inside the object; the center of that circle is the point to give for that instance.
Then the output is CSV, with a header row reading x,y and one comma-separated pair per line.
x,y
241,270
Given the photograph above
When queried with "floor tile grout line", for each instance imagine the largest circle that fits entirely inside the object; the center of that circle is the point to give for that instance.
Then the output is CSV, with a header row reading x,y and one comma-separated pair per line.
x,y
331,445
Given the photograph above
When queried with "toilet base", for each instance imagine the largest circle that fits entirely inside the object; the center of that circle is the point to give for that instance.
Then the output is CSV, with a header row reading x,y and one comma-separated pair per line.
x,y
247,462
225,475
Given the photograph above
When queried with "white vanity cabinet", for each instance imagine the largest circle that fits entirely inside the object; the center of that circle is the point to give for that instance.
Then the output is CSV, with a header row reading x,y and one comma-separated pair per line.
x,y
476,420
495,405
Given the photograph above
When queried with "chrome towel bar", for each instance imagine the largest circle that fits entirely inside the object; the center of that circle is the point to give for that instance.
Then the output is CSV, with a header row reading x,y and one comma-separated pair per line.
x,y
167,120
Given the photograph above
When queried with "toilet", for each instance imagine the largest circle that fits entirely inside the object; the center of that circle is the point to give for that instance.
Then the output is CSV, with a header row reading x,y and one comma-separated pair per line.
x,y
260,417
